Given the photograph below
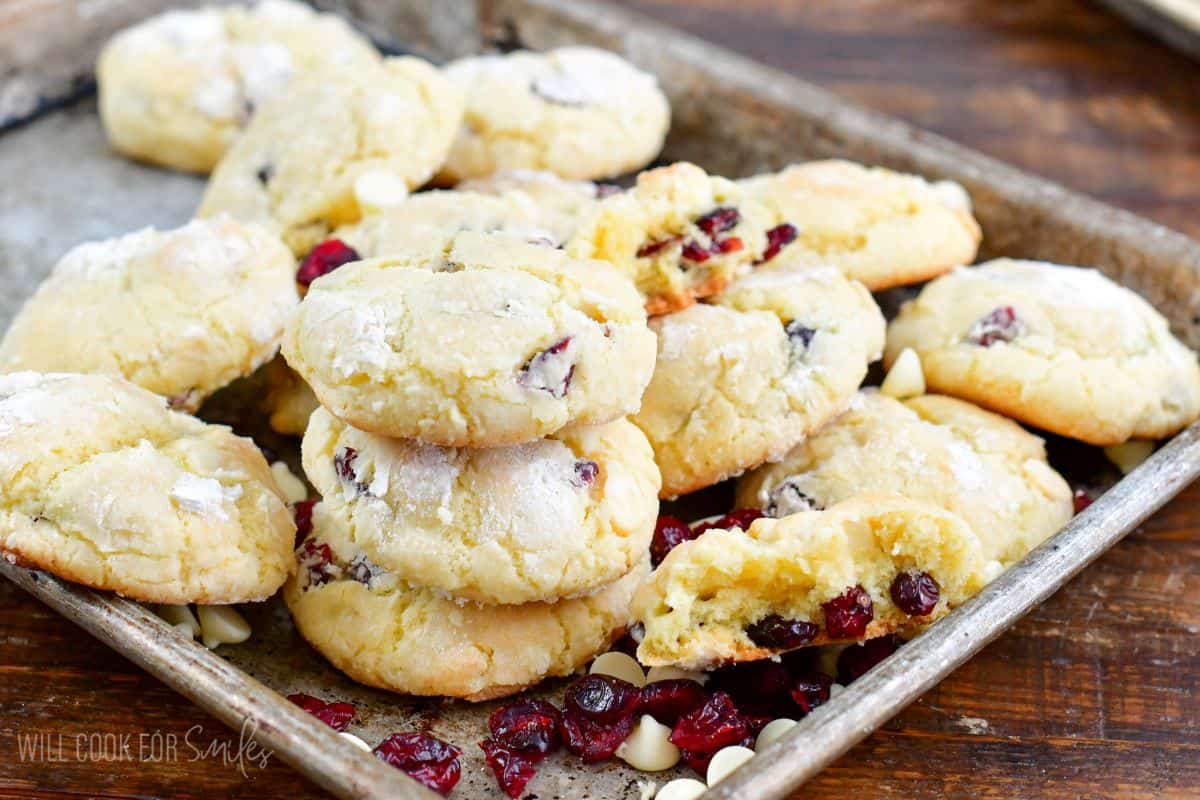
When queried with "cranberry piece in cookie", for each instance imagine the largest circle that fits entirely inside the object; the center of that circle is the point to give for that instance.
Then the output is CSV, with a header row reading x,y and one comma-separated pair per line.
x,y
778,238
323,259
777,633
915,593
848,615
999,325
550,370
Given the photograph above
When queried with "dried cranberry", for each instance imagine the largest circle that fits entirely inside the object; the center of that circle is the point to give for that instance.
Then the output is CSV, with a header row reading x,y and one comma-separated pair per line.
x,y
855,660
323,259
530,726
739,518
756,686
694,251
550,370
1081,499
811,690
586,472
607,189
336,715
778,238
598,715
719,220
714,725
302,513
424,758
778,633
999,325
343,463
915,593
653,248
669,700
699,760
513,769
848,615
799,335
316,561
669,533
730,245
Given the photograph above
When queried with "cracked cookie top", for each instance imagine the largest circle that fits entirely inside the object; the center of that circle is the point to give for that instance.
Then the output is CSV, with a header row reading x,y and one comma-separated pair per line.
x,y
1061,348
550,518
105,486
181,312
741,380
493,342
579,112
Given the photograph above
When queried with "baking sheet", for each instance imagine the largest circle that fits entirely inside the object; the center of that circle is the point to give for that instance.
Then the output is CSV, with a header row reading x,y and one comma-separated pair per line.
x,y
732,117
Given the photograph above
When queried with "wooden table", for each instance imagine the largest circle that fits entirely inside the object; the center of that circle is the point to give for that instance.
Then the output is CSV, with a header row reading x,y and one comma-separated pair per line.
x,y
1095,695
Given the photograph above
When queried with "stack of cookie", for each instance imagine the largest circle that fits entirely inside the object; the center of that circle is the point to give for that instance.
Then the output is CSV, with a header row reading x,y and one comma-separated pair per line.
x,y
486,510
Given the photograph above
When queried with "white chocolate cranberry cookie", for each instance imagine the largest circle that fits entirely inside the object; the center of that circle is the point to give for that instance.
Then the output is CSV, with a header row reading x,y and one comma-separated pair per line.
x,y
979,465
301,164
1061,348
104,486
550,518
495,342
426,222
578,112
176,89
181,313
880,227
679,234
742,380
864,568
384,634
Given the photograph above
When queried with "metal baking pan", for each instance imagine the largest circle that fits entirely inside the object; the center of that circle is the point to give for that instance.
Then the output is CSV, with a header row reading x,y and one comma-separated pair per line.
x,y
732,116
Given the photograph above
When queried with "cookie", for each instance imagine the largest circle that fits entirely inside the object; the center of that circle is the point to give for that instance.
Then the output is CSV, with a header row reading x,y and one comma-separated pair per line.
x,y
810,578
289,401
983,467
564,204
578,112
181,312
744,379
679,234
1060,348
880,227
417,641
426,222
495,342
536,521
303,155
176,89
103,485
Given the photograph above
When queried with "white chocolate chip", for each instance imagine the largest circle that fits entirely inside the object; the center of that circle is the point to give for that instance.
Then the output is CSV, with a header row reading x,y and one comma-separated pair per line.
x,y
378,190
1127,455
354,740
726,760
619,665
675,673
773,731
905,379
681,789
222,625
647,790
649,747
293,489
182,619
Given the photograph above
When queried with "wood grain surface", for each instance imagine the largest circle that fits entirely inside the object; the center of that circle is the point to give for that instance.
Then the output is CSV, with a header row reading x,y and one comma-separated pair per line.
x,y
1094,695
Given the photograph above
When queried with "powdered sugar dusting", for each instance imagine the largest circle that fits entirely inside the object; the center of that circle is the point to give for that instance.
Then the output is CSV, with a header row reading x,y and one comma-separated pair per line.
x,y
204,497
527,492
